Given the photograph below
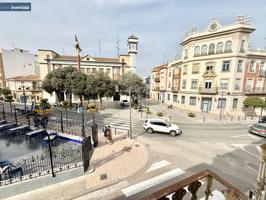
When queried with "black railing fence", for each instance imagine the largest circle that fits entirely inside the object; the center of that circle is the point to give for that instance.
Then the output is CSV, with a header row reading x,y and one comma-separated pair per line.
x,y
40,165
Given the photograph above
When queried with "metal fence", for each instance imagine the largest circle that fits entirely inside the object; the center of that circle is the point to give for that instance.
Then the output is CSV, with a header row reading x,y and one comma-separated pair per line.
x,y
40,165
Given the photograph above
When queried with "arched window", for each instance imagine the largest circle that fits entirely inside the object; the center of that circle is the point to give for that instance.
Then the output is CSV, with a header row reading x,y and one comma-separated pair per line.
x,y
197,51
211,48
219,48
242,46
186,54
228,46
204,50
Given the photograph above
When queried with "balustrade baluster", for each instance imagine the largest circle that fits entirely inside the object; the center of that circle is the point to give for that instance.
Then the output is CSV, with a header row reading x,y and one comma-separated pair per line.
x,y
193,188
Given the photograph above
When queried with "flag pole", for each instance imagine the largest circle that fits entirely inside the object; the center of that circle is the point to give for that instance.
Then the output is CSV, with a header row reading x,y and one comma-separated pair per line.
x,y
78,50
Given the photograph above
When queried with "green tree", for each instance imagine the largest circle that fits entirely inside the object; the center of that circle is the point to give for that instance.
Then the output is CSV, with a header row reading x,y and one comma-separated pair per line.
x,y
131,81
255,102
9,98
6,91
103,85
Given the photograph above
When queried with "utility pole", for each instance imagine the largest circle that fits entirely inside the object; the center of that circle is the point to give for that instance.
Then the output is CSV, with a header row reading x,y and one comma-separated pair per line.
x,y
130,120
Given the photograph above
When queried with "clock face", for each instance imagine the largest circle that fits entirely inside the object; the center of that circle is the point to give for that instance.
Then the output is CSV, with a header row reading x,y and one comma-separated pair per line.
x,y
133,47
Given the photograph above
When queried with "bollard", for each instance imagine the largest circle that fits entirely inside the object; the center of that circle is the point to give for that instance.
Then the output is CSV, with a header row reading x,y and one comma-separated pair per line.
x,y
238,118
232,118
128,133
115,131
204,119
170,117
245,117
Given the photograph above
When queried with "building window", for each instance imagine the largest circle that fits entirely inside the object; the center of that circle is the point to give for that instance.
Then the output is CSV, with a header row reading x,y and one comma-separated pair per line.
x,y
197,51
262,67
237,84
242,46
88,70
168,97
101,69
221,103
252,66
108,71
249,84
224,84
184,69
194,83
204,50
175,98
186,54
183,99
239,66
93,70
82,70
220,47
235,101
209,68
195,68
192,101
169,85
226,66
184,84
228,46
208,84
169,74
211,48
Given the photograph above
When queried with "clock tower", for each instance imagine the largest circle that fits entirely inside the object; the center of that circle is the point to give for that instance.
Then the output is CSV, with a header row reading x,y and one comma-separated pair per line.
x,y
132,43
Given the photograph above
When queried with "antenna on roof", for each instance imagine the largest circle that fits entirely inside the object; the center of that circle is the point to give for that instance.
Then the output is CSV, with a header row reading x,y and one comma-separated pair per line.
x,y
167,53
164,56
118,46
100,48
265,43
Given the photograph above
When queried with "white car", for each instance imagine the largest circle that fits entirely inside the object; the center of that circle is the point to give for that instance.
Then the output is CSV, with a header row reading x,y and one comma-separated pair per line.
x,y
159,125
124,103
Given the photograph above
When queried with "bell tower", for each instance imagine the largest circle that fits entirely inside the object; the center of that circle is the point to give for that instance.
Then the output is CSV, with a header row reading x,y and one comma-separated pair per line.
x,y
132,43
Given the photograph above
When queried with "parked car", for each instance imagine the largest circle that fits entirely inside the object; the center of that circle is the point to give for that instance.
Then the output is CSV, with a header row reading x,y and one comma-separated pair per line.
x,y
262,119
124,103
161,126
258,129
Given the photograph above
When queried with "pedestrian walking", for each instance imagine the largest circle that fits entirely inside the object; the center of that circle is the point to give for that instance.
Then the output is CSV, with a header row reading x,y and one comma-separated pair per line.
x,y
110,138
105,133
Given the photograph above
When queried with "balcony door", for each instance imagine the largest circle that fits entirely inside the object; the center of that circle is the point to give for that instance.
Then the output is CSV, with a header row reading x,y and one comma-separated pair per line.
x,y
208,84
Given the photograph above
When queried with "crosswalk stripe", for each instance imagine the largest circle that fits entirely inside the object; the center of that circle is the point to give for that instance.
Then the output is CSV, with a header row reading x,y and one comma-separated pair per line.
x,y
134,189
158,165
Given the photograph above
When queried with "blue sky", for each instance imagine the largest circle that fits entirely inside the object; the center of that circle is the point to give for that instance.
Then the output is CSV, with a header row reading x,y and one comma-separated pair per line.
x,y
159,24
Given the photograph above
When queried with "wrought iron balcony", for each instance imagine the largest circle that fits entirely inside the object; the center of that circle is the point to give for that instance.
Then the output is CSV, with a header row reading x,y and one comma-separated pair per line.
x,y
175,89
209,73
262,73
157,79
257,90
176,76
205,184
212,90
35,89
155,88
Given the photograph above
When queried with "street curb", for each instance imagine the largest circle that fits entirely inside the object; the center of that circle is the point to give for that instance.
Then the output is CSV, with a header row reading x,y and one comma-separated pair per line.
x,y
106,185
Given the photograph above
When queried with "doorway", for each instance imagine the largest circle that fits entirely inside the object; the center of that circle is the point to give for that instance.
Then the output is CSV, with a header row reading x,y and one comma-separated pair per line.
x,y
206,104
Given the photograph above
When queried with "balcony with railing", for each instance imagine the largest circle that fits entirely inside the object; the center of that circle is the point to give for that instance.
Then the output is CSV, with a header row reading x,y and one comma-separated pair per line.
x,y
205,184
212,90
157,79
175,89
156,88
255,91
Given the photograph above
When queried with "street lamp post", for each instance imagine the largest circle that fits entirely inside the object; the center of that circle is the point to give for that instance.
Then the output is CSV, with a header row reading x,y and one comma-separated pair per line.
x,y
130,120
24,95
220,117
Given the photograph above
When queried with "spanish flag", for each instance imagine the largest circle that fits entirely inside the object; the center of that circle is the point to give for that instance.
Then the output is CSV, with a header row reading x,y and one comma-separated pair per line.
x,y
77,46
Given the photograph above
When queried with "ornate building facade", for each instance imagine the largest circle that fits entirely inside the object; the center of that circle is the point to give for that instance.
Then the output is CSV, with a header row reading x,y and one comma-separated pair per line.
x,y
217,70
114,67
